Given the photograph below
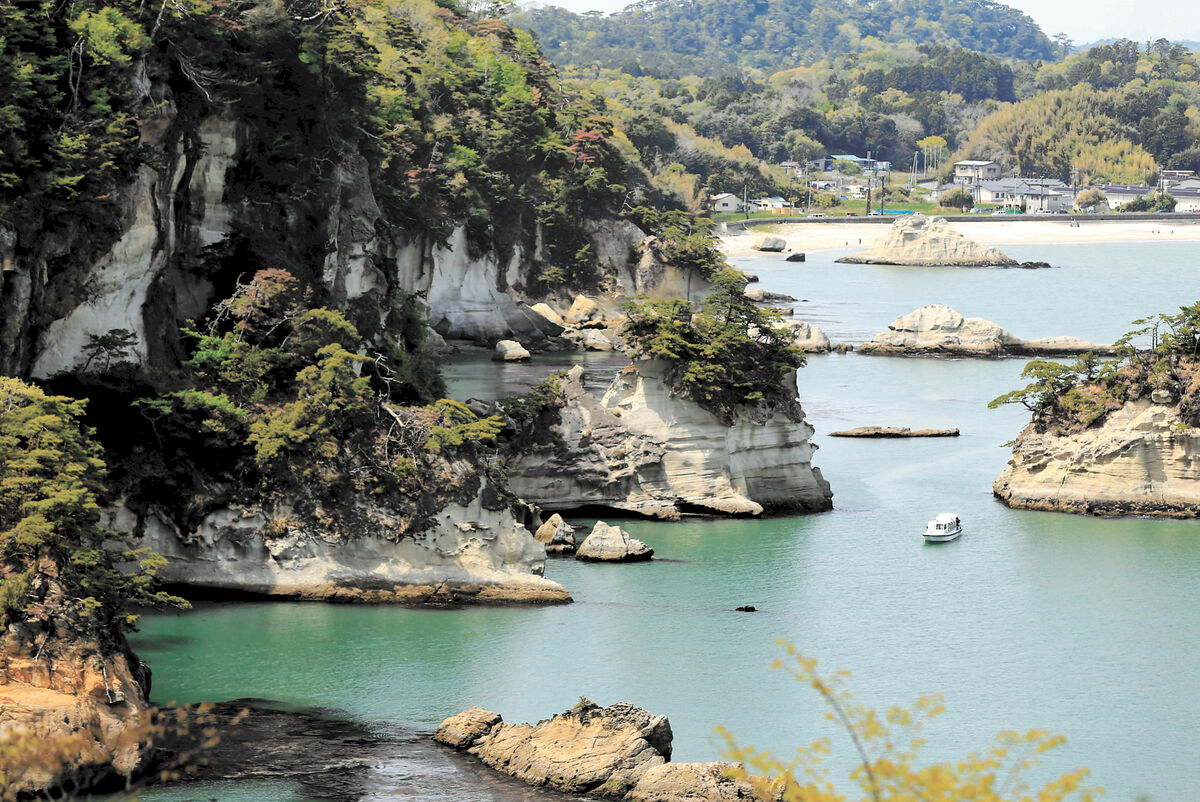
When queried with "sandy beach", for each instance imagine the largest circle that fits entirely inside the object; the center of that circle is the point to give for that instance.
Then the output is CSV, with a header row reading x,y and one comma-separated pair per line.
x,y
824,236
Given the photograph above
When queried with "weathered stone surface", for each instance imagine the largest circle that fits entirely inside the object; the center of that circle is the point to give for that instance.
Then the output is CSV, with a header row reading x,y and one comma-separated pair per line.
x,y
894,431
583,310
918,240
546,311
751,278
643,449
556,535
611,544
759,295
938,329
1142,460
61,679
588,749
468,554
510,351
809,337
594,340
771,244
690,782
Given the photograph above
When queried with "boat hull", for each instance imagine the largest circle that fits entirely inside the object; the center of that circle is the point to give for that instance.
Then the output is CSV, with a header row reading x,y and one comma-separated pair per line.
x,y
942,537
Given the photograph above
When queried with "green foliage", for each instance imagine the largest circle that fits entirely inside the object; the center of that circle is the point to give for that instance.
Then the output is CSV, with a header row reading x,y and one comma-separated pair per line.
x,y
1155,201
106,349
682,239
454,425
704,34
727,353
51,479
957,199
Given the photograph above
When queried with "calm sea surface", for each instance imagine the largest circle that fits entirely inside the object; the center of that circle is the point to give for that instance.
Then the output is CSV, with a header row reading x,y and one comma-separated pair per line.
x,y
1081,626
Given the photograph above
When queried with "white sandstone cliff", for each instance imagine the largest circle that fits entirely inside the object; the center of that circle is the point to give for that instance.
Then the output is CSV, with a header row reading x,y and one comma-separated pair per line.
x,y
1142,460
642,449
470,553
918,240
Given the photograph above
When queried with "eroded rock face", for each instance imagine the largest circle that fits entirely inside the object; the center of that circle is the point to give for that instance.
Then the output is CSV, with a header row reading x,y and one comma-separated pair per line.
x,y
1142,460
470,553
809,337
587,749
643,450
612,544
918,240
61,679
618,752
556,535
938,329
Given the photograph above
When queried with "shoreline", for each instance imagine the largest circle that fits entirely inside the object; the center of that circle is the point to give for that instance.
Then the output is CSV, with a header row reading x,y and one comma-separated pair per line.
x,y
807,238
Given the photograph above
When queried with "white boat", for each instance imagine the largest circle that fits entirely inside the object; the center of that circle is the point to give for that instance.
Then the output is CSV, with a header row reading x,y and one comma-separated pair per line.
x,y
946,526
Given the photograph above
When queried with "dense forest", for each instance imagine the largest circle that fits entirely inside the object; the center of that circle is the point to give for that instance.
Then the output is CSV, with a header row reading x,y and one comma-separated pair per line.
x,y
674,37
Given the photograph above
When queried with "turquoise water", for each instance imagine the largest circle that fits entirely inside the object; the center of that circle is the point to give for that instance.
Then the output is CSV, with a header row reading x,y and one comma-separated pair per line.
x,y
1077,625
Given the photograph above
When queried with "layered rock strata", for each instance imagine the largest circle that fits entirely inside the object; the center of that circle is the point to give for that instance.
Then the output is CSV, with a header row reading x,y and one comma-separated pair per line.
x,y
618,752
643,449
1142,460
470,552
71,698
918,240
939,330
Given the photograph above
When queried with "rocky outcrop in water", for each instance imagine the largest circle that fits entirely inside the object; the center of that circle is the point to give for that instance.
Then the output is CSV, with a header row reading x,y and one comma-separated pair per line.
x,y
894,431
472,551
643,449
75,692
918,240
617,752
809,337
556,535
939,330
1142,460
612,544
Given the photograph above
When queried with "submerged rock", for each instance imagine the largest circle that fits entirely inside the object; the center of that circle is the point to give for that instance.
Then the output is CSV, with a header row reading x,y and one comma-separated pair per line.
x,y
795,257
938,329
894,431
644,449
611,544
918,240
1142,460
556,535
510,351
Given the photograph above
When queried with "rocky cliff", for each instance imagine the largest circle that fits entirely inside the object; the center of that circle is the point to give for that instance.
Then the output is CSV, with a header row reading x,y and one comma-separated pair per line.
x,y
73,700
938,329
918,240
1142,460
471,551
643,449
155,267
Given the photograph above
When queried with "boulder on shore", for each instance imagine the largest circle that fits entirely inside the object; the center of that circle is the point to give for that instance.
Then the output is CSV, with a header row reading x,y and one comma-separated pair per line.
x,y
616,752
918,240
771,245
939,330
556,535
510,351
611,544
894,431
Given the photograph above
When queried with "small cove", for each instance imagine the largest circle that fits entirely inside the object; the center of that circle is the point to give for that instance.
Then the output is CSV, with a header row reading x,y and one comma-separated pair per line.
x,y
1078,625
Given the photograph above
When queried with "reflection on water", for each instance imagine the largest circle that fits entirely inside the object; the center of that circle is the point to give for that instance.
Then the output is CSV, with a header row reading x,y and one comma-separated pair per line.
x,y
1079,625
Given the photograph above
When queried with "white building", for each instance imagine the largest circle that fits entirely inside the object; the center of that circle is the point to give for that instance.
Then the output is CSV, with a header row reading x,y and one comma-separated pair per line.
x,y
726,202
976,171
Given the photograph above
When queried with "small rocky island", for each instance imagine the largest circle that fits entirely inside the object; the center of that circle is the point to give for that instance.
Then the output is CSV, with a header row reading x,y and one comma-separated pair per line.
x,y
1116,437
924,241
939,330
617,752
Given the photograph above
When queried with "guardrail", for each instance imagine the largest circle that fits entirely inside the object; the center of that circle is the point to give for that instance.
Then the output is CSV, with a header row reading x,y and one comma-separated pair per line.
x,y
1128,217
